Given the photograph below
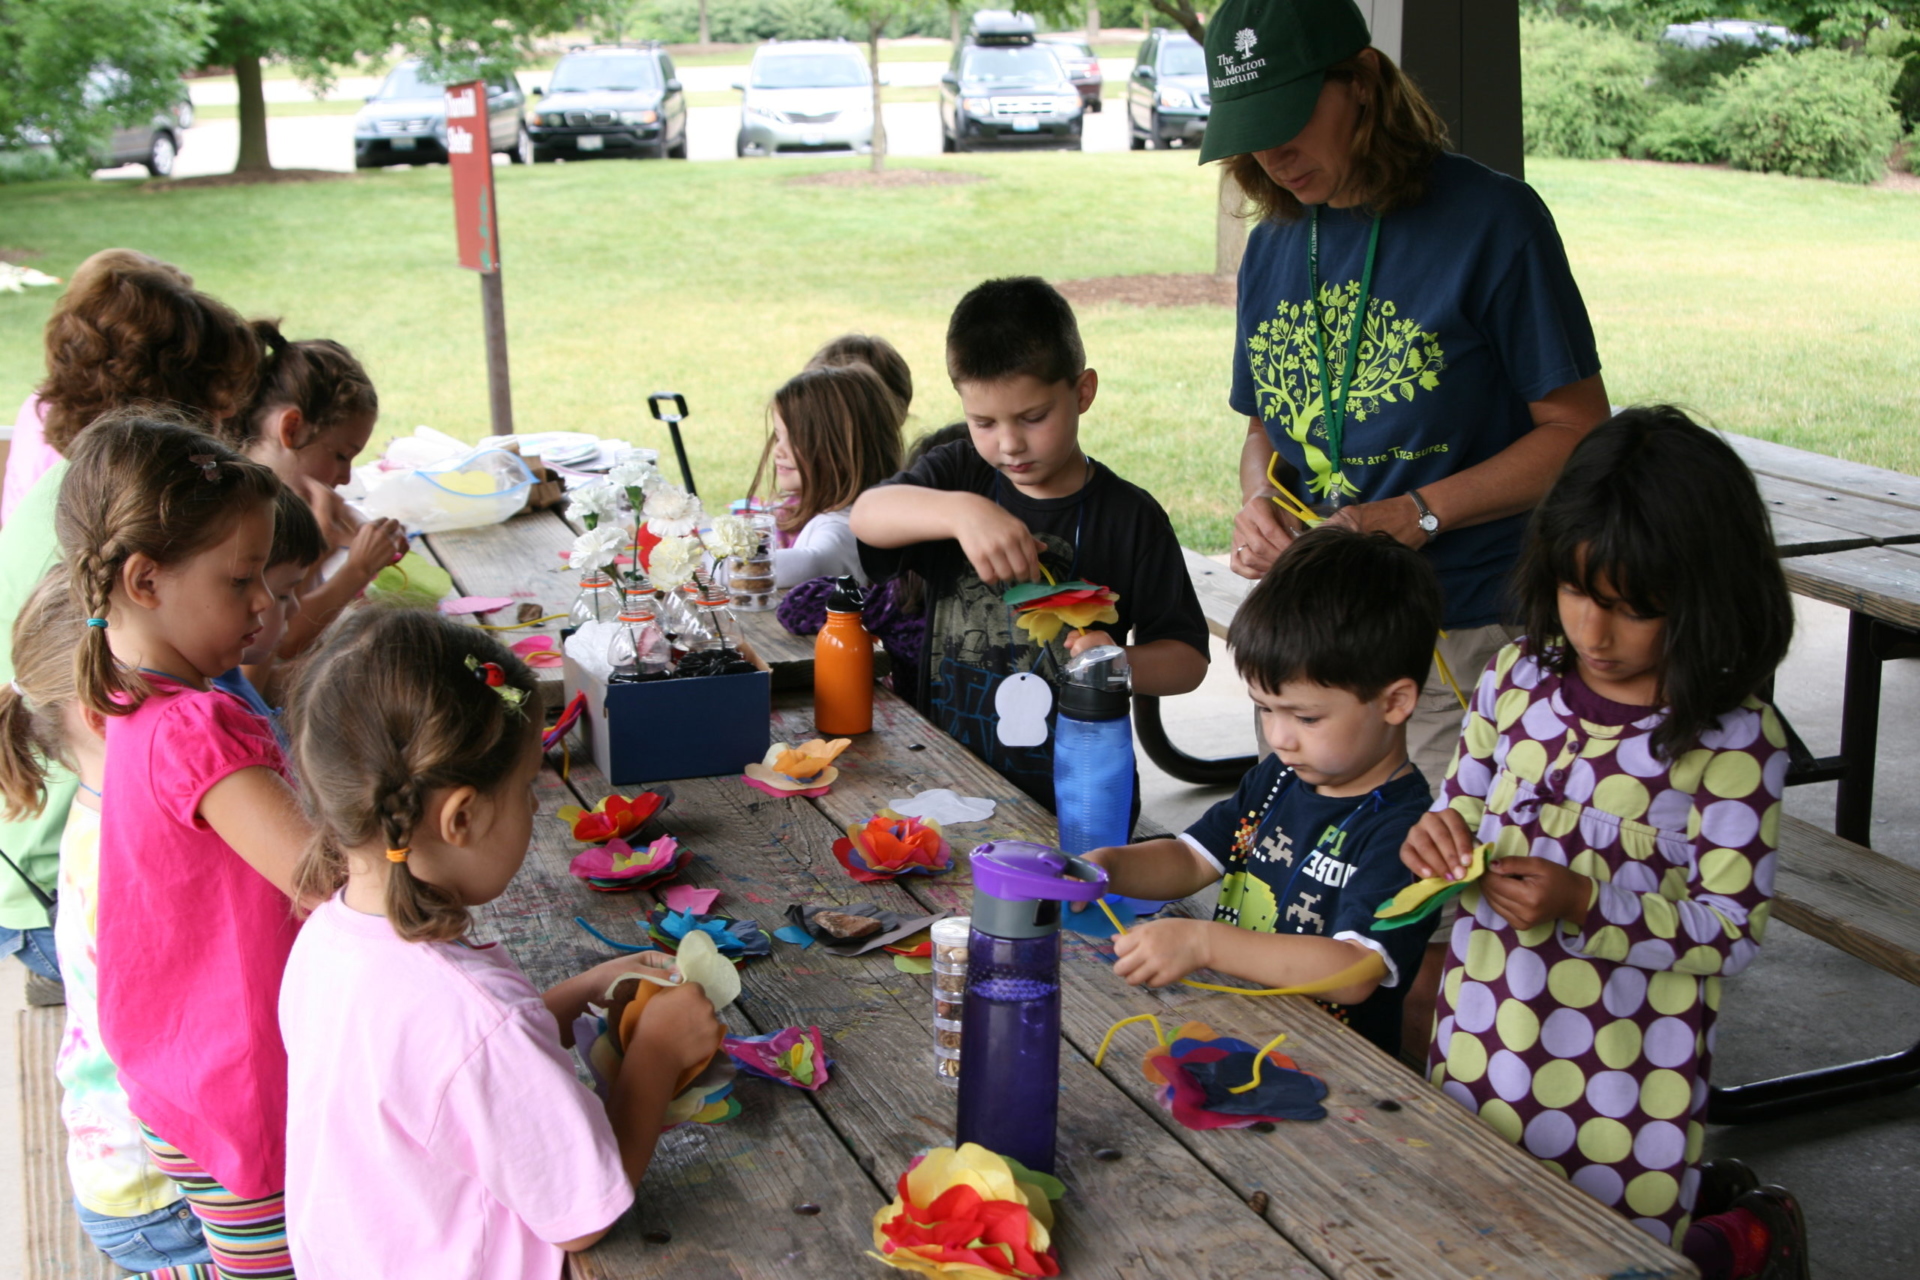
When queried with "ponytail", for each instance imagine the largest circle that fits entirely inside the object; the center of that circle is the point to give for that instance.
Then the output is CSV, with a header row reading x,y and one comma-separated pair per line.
x,y
33,704
317,376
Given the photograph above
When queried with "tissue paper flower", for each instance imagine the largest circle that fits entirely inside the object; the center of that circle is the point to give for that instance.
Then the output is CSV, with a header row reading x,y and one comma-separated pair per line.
x,y
1422,898
969,1214
730,535
1043,609
602,1034
595,550
1198,1069
890,845
803,770
791,1056
615,817
617,867
736,939
671,511
671,563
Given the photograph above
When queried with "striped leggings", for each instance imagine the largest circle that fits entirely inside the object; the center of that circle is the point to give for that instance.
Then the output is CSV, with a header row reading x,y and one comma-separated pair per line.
x,y
247,1238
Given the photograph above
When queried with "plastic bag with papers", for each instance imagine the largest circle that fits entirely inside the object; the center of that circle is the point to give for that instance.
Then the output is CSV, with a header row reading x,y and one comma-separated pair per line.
x,y
482,486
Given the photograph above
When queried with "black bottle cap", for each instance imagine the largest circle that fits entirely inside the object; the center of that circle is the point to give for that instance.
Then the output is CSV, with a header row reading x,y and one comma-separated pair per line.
x,y
847,596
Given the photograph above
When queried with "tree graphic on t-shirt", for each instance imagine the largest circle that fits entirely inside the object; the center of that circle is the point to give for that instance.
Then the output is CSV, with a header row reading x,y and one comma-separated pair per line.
x,y
1395,357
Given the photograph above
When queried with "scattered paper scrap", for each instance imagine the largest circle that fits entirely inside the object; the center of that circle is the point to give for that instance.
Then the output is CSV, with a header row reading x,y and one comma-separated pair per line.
x,y
475,604
948,808
793,1056
685,897
913,964
794,934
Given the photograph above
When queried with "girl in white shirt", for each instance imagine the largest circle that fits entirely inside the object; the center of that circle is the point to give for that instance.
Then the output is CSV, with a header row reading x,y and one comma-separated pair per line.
x,y
836,433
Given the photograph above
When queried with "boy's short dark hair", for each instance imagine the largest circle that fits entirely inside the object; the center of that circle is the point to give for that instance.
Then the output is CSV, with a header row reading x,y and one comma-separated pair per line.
x,y
1011,326
1353,611
296,534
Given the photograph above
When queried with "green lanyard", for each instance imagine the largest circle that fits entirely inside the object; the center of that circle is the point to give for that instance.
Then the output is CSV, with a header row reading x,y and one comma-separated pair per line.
x,y
1335,414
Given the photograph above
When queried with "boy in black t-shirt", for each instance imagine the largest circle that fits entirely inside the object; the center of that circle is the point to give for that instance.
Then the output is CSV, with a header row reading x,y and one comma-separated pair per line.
x,y
1334,645
979,515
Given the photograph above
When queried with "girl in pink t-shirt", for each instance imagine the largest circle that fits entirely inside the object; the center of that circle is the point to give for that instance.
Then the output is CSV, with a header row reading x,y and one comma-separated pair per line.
x,y
437,1111
165,533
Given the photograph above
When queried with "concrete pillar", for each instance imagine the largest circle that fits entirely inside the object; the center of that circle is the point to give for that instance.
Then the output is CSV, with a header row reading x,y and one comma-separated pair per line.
x,y
1465,56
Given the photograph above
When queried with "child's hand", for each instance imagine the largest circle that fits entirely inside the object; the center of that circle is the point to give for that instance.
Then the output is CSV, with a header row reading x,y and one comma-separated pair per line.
x,y
1161,952
1527,892
1105,859
597,979
680,1026
1438,845
378,544
999,545
1080,641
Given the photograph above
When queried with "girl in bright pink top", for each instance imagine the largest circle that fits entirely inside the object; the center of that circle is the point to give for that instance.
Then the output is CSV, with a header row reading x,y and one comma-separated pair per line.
x,y
439,1120
166,533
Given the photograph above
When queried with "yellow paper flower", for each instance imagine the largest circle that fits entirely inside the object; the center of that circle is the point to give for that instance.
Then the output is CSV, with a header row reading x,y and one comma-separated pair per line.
x,y
968,1215
1044,624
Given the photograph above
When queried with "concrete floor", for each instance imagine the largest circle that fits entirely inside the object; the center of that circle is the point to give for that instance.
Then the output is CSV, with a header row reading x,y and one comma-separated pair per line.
x,y
1801,1005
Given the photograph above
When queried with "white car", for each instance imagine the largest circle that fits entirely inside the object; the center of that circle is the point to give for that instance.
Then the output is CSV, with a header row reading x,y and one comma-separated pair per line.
x,y
806,95
1712,31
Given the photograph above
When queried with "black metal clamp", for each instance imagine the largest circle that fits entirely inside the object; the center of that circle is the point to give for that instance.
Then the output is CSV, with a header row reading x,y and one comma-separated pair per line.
x,y
673,421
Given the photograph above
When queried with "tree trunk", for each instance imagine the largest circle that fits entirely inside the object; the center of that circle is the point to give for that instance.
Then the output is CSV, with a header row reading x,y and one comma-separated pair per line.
x,y
706,33
953,27
253,116
879,124
1229,228
1093,22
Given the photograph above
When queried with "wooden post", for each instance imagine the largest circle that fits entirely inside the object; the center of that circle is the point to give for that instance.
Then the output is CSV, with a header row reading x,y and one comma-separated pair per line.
x,y
493,313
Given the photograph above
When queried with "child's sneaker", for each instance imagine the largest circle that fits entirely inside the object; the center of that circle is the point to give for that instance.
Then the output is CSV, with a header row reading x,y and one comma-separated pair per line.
x,y
1779,1212
1722,1182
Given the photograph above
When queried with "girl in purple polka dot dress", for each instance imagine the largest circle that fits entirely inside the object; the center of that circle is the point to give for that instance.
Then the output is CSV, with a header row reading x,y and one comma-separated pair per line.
x,y
1628,780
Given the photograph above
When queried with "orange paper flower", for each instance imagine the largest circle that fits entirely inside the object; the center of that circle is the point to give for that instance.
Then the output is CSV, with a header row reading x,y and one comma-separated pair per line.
x,y
970,1215
809,758
890,844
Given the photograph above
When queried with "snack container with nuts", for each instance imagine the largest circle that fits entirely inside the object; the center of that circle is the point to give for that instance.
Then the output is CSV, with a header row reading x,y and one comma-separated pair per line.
x,y
949,993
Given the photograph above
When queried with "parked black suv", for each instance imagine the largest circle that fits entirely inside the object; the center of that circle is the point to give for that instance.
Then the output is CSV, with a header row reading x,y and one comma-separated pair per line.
x,y
1004,88
1167,97
613,100
405,121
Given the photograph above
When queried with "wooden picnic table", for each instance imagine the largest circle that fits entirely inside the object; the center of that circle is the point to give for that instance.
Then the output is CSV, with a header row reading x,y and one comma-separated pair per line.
x,y
1397,1180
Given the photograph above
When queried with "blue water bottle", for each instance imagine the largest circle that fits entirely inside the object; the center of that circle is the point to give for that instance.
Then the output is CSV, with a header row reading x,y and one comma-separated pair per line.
x,y
1093,756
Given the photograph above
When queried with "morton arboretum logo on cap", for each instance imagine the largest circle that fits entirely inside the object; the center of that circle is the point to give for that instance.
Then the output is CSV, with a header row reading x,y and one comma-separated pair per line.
x,y
1243,41
1246,67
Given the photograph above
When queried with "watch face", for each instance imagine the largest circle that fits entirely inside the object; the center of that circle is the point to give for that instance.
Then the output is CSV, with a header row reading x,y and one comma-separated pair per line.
x,y
1429,523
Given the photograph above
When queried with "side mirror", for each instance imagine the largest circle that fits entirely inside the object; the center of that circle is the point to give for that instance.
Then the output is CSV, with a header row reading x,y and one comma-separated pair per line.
x,y
673,86
738,87
538,92
950,80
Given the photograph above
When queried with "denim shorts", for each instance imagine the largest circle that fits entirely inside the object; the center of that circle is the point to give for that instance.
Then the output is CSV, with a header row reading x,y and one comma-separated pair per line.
x,y
35,949
168,1237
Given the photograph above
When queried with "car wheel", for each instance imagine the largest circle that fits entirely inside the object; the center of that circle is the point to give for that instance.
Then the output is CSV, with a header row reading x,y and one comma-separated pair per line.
x,y
161,154
1134,141
522,152
1094,105
544,155
678,151
946,142
740,145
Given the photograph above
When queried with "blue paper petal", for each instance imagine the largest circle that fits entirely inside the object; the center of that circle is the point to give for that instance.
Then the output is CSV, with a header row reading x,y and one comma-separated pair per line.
x,y
793,933
1093,922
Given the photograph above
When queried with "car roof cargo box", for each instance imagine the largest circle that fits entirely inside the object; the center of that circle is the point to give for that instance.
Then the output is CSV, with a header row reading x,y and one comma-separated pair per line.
x,y
999,26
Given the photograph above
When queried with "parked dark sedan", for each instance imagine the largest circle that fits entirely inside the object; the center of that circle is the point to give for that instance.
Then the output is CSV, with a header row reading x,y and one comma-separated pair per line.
x,y
405,121
612,101
1083,68
1167,96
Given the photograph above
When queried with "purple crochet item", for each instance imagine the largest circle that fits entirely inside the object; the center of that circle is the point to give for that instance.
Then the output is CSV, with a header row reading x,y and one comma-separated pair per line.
x,y
804,611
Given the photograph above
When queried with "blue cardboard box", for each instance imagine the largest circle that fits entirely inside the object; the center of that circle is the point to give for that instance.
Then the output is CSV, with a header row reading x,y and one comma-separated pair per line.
x,y
666,729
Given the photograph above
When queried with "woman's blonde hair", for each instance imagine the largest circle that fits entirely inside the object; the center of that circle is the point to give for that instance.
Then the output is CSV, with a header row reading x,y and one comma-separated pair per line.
x,y
843,429
140,484
132,330
1396,138
32,709
394,706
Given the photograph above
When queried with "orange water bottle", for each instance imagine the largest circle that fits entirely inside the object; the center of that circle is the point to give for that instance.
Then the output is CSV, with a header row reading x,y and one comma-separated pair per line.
x,y
843,666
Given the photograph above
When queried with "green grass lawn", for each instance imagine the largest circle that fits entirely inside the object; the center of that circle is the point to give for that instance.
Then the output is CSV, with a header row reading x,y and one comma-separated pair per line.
x,y
1778,307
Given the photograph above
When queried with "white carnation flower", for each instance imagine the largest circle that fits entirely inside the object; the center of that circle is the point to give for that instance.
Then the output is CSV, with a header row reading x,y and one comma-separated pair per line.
x,y
672,562
596,499
596,549
730,535
636,469
671,511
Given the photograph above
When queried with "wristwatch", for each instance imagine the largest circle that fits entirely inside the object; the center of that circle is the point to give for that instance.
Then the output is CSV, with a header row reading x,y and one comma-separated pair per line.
x,y
1429,522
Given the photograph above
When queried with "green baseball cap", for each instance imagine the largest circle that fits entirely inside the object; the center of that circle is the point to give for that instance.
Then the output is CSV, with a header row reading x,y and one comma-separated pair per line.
x,y
1266,61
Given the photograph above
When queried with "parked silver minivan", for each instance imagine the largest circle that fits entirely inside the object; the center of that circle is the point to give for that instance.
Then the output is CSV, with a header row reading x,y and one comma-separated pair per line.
x,y
806,95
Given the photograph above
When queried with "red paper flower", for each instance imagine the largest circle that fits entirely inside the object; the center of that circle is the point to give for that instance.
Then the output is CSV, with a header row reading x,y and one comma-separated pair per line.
x,y
890,845
614,818
969,1214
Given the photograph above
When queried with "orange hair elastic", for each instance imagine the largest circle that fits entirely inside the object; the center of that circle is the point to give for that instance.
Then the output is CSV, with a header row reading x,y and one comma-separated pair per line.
x,y
399,855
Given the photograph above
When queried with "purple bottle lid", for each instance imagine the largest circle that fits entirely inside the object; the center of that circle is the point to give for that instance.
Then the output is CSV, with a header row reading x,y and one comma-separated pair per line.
x,y
1011,878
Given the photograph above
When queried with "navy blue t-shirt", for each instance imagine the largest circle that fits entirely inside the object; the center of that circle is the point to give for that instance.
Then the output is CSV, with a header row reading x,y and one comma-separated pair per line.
x,y
1295,861
236,683
1473,314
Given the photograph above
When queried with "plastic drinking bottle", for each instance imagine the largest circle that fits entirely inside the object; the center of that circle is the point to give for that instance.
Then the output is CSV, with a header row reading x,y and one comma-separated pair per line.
x,y
1093,756
1010,1076
843,666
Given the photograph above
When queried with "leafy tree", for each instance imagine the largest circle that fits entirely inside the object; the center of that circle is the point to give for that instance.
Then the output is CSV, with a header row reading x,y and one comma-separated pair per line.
x,y
51,50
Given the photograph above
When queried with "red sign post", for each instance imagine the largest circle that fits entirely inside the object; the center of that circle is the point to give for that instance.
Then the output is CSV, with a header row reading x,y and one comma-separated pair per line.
x,y
470,157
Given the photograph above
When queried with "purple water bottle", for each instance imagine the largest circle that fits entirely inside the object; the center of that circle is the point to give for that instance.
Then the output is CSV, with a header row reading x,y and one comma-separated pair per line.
x,y
1010,1079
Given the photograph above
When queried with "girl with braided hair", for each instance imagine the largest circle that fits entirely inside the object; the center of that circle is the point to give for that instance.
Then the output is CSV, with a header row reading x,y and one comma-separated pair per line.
x,y
437,1110
165,534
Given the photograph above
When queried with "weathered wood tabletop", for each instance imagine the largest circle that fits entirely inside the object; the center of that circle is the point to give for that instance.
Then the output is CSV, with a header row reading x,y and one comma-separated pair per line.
x,y
1398,1181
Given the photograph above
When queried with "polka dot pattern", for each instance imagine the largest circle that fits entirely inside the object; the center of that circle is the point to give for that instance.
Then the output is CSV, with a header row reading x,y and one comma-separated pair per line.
x,y
1591,1048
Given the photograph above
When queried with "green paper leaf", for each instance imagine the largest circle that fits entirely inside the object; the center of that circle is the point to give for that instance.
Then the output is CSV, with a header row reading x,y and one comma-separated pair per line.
x,y
1052,1186
913,964
1019,595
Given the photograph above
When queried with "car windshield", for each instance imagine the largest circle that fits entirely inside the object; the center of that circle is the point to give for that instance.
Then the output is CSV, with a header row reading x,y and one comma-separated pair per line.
x,y
1015,65
604,72
409,81
1183,59
809,71
1071,48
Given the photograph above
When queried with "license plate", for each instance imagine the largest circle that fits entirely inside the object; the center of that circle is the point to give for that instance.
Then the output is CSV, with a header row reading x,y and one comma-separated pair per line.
x,y
1026,126
403,144
590,142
